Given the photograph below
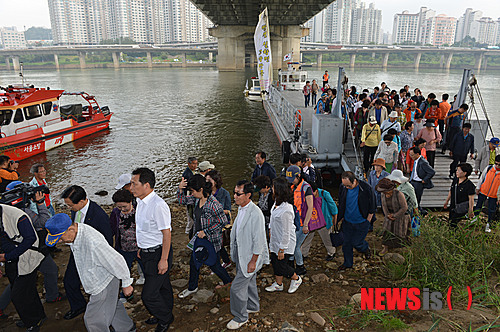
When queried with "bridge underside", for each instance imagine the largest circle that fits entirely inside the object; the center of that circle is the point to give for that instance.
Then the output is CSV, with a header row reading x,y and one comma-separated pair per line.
x,y
235,22
246,12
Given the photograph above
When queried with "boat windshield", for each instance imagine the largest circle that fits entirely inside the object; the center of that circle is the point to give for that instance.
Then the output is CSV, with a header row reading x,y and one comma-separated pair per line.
x,y
5,117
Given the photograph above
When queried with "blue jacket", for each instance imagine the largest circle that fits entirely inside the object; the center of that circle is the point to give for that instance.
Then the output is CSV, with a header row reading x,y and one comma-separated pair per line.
x,y
460,146
366,200
266,170
328,207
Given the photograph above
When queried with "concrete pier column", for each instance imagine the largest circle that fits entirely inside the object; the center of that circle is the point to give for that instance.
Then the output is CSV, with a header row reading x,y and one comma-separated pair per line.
x,y
210,57
16,63
478,61
232,41
448,61
301,58
184,60
252,60
82,55
385,60
485,63
116,60
441,61
7,62
56,61
352,60
416,64
150,59
319,59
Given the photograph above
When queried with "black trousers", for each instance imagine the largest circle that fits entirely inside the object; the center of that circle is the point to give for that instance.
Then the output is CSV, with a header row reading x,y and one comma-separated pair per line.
x,y
368,154
450,134
456,160
419,190
157,294
72,286
431,157
25,295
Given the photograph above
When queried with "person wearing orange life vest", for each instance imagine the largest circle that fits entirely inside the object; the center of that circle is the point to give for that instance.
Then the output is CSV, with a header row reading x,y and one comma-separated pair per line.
x,y
302,192
326,77
488,189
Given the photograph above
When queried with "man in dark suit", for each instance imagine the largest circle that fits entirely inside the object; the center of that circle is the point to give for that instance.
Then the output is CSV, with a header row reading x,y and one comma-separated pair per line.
x,y
421,175
84,211
263,167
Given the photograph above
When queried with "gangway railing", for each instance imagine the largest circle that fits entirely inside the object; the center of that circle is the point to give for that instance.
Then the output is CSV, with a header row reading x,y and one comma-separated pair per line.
x,y
289,122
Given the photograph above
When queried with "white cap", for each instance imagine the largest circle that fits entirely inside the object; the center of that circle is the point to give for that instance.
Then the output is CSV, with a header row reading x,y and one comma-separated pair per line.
x,y
393,114
123,180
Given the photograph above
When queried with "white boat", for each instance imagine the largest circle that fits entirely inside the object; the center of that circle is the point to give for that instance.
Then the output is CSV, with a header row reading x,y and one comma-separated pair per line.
x,y
253,93
294,78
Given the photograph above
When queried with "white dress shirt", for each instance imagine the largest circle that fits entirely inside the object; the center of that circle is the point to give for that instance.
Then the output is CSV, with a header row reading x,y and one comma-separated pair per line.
x,y
151,217
96,261
241,214
415,175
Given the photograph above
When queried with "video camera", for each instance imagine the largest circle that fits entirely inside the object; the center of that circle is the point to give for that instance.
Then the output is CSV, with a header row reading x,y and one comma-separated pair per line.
x,y
22,195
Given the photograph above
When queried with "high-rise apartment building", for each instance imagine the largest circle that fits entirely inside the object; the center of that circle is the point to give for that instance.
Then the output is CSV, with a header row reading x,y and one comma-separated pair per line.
x,y
465,22
366,25
144,21
438,30
405,28
346,22
484,30
10,38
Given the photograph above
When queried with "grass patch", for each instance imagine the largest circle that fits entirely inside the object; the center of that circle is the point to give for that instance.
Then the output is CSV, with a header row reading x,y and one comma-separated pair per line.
x,y
441,257
379,320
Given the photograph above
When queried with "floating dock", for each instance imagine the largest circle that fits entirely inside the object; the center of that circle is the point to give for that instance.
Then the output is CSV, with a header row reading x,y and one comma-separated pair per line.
x,y
323,138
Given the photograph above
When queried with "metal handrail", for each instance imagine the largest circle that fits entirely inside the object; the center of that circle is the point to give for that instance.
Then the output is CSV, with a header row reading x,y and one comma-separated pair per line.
x,y
286,112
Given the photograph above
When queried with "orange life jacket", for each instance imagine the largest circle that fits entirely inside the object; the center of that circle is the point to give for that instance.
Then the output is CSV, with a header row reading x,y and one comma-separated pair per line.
x,y
326,77
491,183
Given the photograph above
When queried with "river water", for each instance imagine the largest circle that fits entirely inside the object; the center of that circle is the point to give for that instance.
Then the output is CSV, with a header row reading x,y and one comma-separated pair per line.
x,y
163,116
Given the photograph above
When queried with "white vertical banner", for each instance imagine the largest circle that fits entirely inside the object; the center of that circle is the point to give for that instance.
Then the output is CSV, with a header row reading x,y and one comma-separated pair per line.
x,y
262,40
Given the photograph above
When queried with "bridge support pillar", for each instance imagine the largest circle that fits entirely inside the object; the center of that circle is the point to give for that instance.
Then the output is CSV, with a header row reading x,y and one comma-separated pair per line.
x,y
232,40
416,64
7,62
150,59
385,60
352,61
441,61
319,59
82,55
56,61
485,63
210,57
116,60
16,63
252,59
447,64
478,61
184,60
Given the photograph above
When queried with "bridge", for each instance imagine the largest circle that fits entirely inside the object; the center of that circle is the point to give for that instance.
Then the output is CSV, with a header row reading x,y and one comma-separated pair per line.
x,y
235,22
211,48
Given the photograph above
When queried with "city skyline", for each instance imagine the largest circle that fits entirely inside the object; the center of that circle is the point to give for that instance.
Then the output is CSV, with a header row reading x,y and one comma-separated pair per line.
x,y
36,12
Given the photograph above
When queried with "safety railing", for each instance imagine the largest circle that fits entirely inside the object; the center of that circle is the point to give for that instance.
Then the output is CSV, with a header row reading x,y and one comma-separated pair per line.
x,y
287,114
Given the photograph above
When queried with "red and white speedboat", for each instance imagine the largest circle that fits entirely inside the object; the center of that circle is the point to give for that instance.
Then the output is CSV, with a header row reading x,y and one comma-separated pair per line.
x,y
32,121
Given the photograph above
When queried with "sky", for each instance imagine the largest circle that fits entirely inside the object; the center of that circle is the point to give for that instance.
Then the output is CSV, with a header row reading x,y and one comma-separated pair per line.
x,y
27,13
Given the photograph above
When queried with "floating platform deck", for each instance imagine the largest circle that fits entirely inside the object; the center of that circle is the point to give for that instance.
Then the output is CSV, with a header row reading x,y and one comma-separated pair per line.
x,y
282,121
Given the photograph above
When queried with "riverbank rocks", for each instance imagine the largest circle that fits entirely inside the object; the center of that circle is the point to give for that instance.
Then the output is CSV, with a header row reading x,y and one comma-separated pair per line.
x,y
202,295
101,193
317,318
355,300
394,258
179,283
321,277
287,327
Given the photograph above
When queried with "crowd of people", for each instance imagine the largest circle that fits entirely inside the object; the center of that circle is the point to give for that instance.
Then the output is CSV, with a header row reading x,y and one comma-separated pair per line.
x,y
399,135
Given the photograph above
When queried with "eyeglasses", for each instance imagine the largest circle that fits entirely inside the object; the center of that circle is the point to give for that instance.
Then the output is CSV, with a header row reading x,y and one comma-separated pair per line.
x,y
497,164
238,194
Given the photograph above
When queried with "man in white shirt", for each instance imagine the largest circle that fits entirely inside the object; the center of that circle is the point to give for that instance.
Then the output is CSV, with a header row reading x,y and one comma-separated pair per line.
x,y
153,230
249,252
100,268
421,174
86,212
390,123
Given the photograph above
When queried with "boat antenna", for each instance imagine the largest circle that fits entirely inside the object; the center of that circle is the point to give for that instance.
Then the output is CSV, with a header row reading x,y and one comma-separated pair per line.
x,y
21,73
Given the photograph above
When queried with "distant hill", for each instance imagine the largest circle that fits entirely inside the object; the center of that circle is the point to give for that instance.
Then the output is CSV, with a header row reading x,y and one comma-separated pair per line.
x,y
37,33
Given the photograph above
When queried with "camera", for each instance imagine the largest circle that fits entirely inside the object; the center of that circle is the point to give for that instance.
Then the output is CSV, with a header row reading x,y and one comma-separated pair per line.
x,y
22,195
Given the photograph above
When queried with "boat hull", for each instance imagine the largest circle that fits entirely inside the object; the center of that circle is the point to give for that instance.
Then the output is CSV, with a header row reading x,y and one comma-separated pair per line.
x,y
26,145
